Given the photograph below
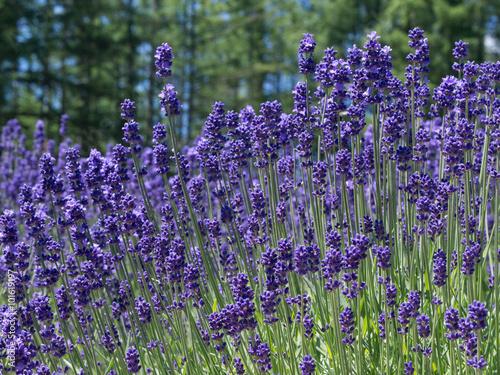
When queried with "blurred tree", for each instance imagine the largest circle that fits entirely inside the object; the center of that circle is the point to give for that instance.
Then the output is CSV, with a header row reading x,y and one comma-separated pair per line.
x,y
342,23
10,14
444,22
84,57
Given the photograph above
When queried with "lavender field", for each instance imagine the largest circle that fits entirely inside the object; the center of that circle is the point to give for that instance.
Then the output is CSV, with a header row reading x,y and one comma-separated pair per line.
x,y
358,234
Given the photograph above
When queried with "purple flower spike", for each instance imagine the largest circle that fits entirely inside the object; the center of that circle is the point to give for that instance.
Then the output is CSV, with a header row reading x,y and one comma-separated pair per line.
x,y
477,363
409,370
439,269
373,36
8,229
306,259
128,108
469,260
346,320
344,163
355,57
307,65
131,132
414,300
238,366
478,314
39,137
46,167
163,61
325,69
404,313
143,310
307,366
161,158
261,352
383,255
132,358
416,34
214,124
460,50
169,102
332,265
423,326
307,45
159,133
451,321
320,169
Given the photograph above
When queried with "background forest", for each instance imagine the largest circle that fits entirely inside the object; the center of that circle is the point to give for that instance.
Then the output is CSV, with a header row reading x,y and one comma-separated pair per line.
x,y
83,57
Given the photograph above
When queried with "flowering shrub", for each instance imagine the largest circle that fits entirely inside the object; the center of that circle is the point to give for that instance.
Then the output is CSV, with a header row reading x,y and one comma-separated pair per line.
x,y
357,234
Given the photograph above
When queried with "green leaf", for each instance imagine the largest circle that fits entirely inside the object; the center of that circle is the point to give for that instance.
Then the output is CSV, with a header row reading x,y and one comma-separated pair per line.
x,y
375,327
309,284
109,367
214,307
343,301
258,317
488,245
427,285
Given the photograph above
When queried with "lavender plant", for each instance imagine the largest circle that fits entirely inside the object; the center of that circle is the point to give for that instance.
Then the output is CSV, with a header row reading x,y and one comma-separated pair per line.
x,y
357,234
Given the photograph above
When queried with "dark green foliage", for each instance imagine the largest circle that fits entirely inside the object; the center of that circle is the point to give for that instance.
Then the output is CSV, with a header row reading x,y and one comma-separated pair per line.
x,y
83,57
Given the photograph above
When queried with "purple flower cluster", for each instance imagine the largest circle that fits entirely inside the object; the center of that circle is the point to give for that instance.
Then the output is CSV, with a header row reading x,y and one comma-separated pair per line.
x,y
163,61
306,50
258,242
